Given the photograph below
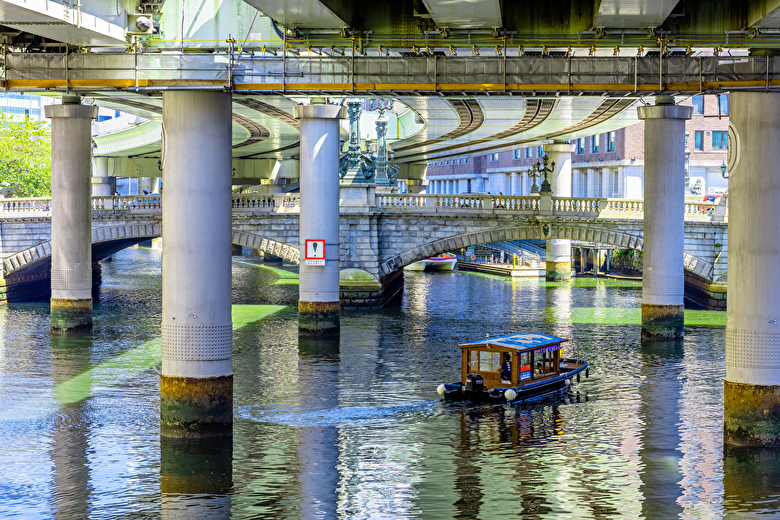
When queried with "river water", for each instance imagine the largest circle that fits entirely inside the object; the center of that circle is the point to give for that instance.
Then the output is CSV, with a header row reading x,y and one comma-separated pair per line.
x,y
353,427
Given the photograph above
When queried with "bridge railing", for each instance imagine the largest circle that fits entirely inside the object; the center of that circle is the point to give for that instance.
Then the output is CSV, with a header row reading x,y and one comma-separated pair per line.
x,y
127,204
267,202
32,206
467,203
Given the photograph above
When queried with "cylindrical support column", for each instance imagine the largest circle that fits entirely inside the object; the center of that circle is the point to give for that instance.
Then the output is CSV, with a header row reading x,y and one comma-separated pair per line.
x,y
318,301
663,280
145,184
103,183
415,186
558,264
196,383
752,386
71,214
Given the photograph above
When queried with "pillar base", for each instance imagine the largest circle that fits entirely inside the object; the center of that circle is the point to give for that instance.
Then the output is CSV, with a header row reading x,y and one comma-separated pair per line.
x,y
71,314
318,318
751,415
557,271
194,407
663,321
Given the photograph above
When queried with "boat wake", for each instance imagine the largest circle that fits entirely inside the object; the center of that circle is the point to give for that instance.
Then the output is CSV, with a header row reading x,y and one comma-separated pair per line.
x,y
352,415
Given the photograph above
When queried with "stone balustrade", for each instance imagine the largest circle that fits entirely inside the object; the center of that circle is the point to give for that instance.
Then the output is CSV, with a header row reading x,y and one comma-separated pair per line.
x,y
469,204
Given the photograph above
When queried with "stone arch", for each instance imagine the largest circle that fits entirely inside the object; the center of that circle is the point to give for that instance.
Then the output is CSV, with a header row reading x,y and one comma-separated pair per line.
x,y
569,231
106,241
266,245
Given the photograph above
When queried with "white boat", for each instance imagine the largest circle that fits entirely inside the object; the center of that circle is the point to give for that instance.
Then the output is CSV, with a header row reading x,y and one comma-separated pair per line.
x,y
435,263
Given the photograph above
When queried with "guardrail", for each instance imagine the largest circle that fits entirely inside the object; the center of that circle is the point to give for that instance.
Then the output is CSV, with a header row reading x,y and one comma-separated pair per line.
x,y
467,204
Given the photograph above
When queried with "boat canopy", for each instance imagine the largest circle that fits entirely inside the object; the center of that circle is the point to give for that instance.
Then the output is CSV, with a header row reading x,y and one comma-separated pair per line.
x,y
517,342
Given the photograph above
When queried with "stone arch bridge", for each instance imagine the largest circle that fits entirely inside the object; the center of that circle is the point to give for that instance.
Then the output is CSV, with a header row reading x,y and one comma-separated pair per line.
x,y
379,237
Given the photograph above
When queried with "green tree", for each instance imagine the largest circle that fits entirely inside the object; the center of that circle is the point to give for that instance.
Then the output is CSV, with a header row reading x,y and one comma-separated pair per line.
x,y
25,157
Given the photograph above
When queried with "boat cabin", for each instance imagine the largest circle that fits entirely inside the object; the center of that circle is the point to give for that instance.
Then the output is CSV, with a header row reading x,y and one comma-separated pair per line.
x,y
531,357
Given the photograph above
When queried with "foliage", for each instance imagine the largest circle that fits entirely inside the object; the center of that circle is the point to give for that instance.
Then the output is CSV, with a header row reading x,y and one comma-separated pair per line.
x,y
25,157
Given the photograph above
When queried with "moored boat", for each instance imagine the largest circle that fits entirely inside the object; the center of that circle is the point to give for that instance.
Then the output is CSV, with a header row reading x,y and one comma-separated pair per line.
x,y
434,263
513,368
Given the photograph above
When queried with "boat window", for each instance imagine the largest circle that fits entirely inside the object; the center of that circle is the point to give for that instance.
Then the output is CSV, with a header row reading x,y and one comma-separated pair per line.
x,y
489,361
473,362
524,360
545,363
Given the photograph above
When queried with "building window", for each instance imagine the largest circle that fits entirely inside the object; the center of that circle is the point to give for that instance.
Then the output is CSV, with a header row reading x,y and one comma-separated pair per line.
x,y
698,104
494,157
610,141
698,143
580,146
540,151
460,161
719,140
466,160
527,153
594,144
723,104
447,163
518,154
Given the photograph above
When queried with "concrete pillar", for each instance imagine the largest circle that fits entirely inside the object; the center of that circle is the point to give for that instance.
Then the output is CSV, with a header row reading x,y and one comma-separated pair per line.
x,y
752,386
663,281
196,383
318,301
71,214
145,183
415,186
559,251
103,183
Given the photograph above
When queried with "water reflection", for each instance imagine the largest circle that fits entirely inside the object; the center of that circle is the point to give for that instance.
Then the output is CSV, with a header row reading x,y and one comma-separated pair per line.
x,y
318,454
353,427
196,477
751,486
70,435
659,450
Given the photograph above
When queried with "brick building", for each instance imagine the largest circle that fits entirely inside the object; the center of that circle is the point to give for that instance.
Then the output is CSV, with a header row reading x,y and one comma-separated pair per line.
x,y
609,164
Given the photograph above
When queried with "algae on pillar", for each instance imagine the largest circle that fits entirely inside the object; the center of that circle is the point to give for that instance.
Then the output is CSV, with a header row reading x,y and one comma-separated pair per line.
x,y
71,214
663,280
196,383
752,385
319,305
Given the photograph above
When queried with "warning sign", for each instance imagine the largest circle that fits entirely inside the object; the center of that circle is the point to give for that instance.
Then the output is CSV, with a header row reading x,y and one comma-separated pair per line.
x,y
315,252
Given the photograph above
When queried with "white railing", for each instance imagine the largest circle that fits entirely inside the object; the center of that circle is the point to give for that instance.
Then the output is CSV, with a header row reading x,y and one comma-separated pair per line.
x,y
389,202
21,207
150,203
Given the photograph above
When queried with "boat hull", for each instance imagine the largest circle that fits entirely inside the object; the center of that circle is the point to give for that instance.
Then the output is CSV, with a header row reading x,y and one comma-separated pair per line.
x,y
433,264
440,264
457,392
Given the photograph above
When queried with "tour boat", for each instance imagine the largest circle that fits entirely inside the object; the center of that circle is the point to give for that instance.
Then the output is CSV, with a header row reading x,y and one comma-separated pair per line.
x,y
513,368
435,263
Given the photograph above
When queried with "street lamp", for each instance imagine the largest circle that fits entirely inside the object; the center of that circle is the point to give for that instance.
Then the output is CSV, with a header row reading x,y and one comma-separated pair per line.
x,y
723,171
544,170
